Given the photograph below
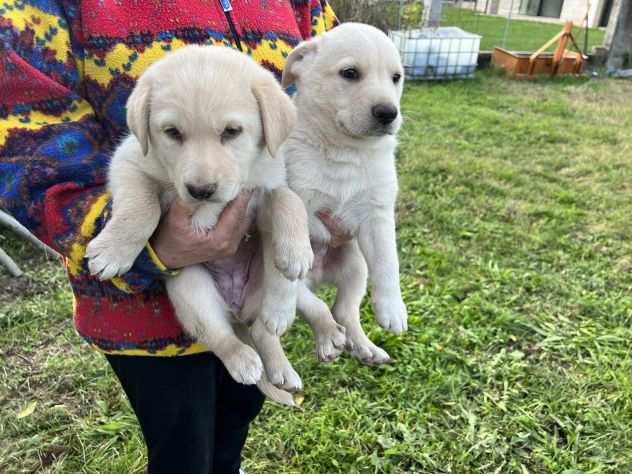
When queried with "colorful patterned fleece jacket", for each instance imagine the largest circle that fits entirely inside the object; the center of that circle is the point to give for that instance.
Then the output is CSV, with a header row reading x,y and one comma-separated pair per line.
x,y
66,70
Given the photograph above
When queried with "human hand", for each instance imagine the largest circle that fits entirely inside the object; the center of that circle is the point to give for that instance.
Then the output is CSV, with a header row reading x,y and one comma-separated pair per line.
x,y
177,245
340,235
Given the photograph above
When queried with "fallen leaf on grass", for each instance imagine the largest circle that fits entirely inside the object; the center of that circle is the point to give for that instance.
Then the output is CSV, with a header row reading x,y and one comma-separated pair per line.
x,y
27,410
299,398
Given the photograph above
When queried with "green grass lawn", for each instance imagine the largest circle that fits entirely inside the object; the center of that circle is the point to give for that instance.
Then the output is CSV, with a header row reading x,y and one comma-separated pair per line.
x,y
523,35
516,251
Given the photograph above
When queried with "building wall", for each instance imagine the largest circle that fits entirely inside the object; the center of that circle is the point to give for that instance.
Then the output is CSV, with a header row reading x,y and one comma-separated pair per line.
x,y
498,7
574,10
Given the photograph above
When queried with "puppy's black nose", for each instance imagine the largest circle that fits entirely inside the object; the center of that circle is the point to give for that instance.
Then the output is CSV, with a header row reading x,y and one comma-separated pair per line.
x,y
203,192
384,113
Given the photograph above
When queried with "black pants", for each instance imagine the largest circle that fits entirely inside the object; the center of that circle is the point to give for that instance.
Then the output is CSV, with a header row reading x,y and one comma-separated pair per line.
x,y
193,415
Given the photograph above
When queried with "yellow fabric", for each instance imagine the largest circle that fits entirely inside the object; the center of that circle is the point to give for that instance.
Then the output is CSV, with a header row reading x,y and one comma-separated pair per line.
x,y
171,350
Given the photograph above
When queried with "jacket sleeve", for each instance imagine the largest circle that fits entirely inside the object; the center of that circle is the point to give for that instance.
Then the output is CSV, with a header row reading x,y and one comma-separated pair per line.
x,y
314,17
53,150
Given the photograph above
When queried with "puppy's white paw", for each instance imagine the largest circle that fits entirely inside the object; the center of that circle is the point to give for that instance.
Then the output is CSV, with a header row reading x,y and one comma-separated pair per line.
x,y
108,257
331,343
205,218
367,352
391,314
283,376
277,318
244,365
293,259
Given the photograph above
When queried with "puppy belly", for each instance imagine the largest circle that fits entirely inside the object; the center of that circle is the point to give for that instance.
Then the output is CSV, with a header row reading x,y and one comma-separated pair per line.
x,y
236,275
326,260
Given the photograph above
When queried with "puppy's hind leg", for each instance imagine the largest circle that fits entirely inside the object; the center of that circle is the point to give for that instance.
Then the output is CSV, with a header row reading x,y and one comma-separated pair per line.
x,y
273,393
278,368
203,314
349,273
329,336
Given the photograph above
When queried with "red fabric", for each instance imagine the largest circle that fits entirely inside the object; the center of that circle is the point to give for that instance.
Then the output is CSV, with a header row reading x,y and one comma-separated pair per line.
x,y
135,320
30,85
124,16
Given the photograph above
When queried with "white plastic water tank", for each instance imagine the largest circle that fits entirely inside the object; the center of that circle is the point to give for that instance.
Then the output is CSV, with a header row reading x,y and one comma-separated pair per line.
x,y
437,53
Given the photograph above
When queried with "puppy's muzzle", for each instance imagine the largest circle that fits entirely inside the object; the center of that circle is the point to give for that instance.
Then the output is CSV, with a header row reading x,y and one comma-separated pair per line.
x,y
384,114
201,192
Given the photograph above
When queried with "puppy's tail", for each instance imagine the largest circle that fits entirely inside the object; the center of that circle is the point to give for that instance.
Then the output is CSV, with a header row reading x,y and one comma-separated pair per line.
x,y
275,394
266,387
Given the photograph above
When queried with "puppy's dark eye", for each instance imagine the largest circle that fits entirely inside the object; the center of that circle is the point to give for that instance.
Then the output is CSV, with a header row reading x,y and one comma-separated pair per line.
x,y
231,132
350,74
174,134
396,77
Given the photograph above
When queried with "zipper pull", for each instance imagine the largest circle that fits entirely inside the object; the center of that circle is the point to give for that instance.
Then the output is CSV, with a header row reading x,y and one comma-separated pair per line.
x,y
226,5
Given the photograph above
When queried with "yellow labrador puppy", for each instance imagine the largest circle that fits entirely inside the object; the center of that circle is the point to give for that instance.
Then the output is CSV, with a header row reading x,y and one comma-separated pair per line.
x,y
340,156
206,123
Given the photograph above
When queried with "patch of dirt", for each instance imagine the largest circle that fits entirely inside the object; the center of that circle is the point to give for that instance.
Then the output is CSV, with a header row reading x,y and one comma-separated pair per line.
x,y
33,262
50,455
12,288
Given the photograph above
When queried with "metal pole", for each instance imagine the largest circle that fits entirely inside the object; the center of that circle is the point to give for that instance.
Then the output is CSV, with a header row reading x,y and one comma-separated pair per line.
x,y
9,264
507,22
8,221
586,29
433,19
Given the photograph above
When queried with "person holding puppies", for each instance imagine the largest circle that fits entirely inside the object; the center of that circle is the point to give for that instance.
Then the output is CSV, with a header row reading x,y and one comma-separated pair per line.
x,y
66,70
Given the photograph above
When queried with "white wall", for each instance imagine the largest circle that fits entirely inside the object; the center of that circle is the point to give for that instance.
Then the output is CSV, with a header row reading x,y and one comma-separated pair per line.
x,y
575,10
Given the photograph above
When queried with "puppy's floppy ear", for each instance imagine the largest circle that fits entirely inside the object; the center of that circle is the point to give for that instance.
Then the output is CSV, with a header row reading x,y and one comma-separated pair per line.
x,y
278,113
138,112
298,60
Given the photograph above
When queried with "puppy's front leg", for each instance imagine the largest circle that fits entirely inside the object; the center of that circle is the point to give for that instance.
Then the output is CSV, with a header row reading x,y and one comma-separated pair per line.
x,y
135,215
377,240
293,254
285,234
203,314
278,302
